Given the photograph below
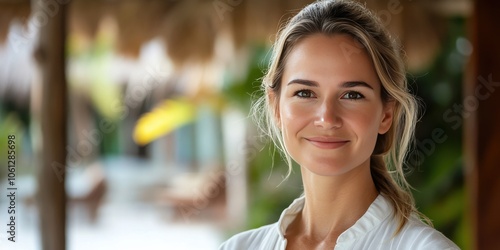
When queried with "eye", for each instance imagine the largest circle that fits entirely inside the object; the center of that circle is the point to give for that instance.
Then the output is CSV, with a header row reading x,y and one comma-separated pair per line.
x,y
353,95
304,93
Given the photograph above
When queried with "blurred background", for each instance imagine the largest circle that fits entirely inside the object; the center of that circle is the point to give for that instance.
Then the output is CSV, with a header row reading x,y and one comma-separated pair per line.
x,y
160,150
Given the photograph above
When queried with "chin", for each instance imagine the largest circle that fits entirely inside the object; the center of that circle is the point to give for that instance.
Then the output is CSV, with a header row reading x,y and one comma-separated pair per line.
x,y
332,166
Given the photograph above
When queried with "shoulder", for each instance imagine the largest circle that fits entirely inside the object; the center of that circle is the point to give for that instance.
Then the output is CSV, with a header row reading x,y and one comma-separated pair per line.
x,y
415,234
253,239
418,235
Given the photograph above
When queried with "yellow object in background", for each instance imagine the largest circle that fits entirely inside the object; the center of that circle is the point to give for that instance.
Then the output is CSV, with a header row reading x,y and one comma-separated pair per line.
x,y
168,116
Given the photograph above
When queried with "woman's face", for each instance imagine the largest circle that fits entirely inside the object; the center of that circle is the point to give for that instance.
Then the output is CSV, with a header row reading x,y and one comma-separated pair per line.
x,y
330,109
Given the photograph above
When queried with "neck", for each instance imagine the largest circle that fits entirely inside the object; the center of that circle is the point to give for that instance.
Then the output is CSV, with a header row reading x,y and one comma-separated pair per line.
x,y
334,203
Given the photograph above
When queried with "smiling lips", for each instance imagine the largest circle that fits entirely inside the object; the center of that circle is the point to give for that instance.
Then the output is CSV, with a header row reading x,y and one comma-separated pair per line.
x,y
327,142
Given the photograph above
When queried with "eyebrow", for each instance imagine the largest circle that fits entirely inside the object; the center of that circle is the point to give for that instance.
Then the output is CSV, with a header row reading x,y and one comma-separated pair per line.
x,y
304,82
356,84
349,84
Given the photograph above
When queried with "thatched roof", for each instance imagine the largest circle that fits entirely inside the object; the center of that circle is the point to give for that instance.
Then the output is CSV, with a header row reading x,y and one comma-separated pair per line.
x,y
190,27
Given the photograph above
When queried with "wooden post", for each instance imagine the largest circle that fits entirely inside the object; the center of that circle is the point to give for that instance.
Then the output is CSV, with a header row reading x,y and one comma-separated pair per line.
x,y
49,54
482,120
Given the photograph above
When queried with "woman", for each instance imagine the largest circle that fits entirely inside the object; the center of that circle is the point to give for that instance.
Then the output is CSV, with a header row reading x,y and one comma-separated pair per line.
x,y
336,102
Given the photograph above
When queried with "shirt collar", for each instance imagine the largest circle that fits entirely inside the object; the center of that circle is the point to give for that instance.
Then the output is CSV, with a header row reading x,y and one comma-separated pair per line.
x,y
378,211
289,214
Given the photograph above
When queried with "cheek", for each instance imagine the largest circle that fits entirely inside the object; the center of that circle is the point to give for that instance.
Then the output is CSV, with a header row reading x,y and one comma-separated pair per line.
x,y
294,118
293,115
367,123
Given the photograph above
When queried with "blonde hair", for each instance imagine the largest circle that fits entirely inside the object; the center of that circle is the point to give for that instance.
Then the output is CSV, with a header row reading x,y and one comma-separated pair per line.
x,y
353,19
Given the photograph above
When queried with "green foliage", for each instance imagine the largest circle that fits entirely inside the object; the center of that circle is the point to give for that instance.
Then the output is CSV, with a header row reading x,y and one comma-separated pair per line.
x,y
270,193
437,175
245,90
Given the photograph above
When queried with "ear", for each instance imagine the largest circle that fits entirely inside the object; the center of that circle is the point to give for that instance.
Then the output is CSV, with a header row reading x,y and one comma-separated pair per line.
x,y
387,116
274,103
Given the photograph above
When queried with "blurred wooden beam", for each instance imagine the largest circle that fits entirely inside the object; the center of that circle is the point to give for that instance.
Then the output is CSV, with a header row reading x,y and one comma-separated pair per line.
x,y
451,8
482,134
50,58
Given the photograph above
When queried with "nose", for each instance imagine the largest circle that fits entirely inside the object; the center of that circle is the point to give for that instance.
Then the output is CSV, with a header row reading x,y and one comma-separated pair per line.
x,y
328,116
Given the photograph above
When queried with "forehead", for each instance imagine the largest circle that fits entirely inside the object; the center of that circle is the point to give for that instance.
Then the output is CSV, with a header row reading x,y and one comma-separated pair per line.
x,y
330,59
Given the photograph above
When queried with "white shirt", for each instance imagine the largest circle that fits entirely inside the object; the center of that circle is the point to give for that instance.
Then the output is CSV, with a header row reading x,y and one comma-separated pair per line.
x,y
374,230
